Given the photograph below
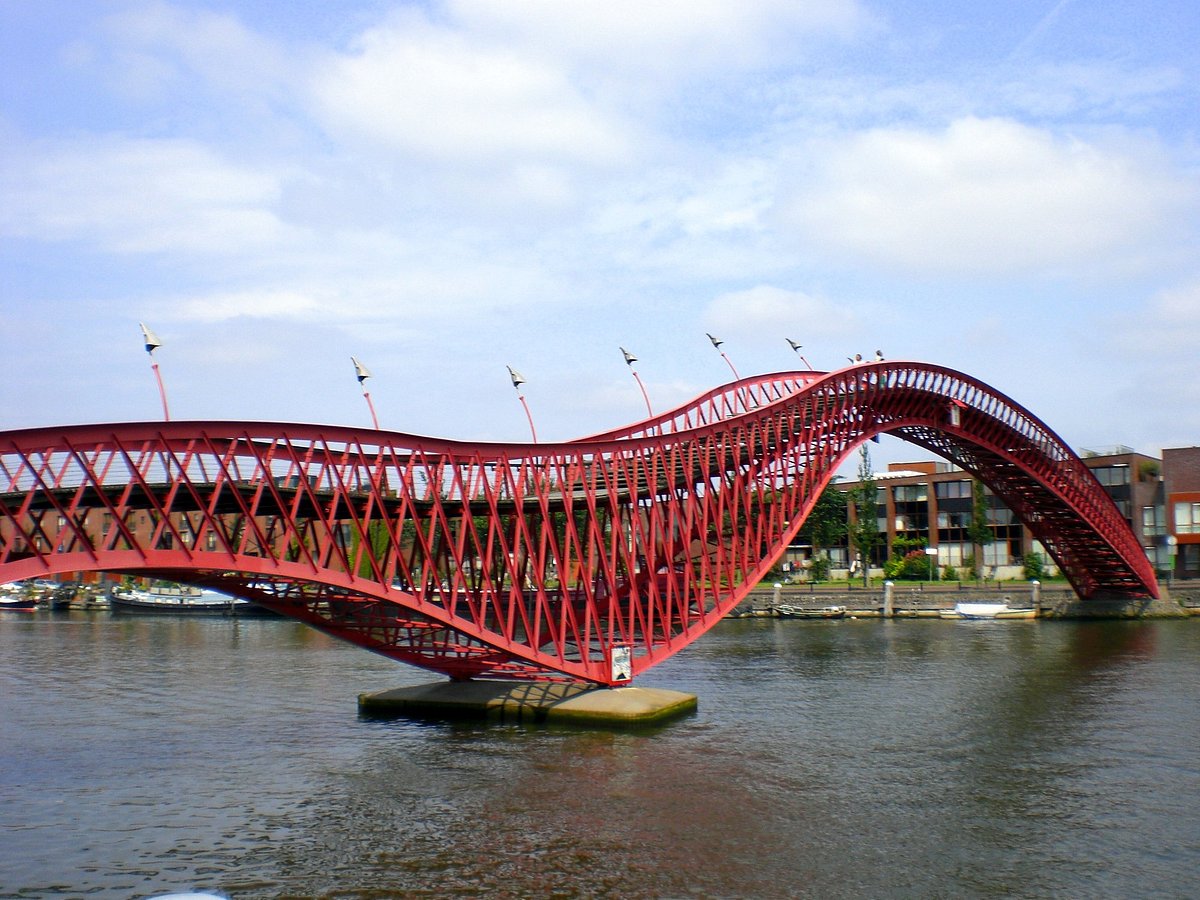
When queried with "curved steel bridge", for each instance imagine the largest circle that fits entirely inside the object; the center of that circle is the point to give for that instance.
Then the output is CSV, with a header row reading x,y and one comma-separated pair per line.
x,y
590,560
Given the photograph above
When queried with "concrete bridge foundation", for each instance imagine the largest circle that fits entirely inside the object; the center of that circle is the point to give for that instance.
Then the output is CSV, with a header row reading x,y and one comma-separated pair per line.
x,y
531,702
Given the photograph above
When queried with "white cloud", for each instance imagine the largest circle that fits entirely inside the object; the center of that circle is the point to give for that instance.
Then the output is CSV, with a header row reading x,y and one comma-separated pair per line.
x,y
155,46
1169,328
139,196
440,96
372,286
734,200
630,39
779,313
1087,90
983,196
249,304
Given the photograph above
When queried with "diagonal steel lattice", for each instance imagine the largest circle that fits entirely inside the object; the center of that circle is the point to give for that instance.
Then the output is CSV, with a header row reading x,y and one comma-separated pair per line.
x,y
590,560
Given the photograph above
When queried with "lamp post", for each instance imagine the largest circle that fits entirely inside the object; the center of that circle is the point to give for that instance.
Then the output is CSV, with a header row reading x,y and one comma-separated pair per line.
x,y
1172,543
630,359
797,347
716,342
517,380
153,343
361,373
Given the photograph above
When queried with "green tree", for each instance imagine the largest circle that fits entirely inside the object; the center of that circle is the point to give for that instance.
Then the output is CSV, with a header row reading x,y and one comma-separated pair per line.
x,y
825,526
979,532
864,533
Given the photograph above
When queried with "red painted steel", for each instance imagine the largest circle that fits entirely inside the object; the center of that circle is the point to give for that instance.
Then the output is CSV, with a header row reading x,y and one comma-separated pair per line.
x,y
527,560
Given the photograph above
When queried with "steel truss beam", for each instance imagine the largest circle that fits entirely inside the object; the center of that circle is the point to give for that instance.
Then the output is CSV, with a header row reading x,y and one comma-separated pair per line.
x,y
528,560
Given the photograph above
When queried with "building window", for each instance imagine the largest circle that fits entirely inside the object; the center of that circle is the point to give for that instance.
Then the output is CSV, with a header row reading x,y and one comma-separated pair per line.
x,y
953,490
1187,518
1000,515
1154,520
910,493
996,554
953,554
1111,475
953,519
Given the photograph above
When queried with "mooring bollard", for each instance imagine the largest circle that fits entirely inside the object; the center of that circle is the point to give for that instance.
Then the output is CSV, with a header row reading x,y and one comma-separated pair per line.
x,y
1037,597
775,595
889,607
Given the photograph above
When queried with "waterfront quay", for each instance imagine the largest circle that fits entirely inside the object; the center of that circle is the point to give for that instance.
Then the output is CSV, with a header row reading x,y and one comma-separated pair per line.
x,y
933,600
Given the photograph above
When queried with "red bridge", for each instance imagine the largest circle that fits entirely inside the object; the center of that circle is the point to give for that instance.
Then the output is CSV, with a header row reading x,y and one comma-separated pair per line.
x,y
590,560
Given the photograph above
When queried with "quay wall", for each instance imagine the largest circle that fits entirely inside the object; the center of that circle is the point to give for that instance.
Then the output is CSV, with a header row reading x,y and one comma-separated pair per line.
x,y
920,599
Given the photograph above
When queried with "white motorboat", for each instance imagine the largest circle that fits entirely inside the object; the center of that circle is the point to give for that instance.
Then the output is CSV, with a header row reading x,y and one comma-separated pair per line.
x,y
988,611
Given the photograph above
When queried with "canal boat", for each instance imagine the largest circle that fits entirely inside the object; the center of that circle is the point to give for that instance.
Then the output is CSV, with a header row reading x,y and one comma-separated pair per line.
x,y
60,598
17,602
988,611
186,600
787,611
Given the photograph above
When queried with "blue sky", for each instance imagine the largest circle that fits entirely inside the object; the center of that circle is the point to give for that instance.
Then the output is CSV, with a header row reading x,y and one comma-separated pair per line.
x,y
442,189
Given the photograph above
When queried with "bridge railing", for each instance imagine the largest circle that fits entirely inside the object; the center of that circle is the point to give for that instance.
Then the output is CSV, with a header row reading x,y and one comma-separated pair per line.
x,y
478,558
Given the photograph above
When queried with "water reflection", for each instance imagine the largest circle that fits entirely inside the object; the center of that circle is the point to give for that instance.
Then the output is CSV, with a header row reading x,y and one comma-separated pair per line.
x,y
907,758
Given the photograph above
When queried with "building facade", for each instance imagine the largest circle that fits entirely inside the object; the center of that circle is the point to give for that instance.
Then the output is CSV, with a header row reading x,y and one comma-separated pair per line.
x,y
932,503
1181,486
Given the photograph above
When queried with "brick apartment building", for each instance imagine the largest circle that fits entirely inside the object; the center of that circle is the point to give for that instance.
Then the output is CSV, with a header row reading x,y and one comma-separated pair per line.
x,y
932,502
1181,488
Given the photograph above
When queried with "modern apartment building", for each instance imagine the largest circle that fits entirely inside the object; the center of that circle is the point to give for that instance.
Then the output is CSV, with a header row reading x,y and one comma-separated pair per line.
x,y
932,502
1181,488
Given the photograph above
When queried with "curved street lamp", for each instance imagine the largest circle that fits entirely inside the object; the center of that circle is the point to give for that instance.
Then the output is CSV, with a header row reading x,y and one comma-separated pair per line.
x,y
153,343
717,344
630,359
362,374
797,347
517,380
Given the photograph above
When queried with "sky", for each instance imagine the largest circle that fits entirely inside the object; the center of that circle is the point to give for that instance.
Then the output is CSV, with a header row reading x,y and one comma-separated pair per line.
x,y
446,188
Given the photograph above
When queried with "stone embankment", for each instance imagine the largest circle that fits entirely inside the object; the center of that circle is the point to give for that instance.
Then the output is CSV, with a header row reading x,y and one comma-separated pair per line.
x,y
914,600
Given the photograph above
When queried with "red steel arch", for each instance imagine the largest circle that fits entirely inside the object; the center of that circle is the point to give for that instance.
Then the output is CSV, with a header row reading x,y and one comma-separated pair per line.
x,y
589,560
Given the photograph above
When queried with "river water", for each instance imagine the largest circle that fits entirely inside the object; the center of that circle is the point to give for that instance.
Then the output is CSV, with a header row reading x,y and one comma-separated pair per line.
x,y
907,758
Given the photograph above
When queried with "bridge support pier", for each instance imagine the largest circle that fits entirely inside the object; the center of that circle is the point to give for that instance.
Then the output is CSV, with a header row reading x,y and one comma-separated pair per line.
x,y
1116,606
531,702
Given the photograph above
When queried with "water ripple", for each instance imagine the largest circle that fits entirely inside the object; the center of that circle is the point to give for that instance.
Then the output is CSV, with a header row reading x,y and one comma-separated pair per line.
x,y
906,759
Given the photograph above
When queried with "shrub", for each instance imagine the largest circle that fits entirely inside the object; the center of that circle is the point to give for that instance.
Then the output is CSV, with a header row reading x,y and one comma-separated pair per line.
x,y
915,565
1034,567
819,568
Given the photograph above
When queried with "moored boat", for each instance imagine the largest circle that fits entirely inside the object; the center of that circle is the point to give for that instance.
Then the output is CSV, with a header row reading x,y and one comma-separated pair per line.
x,y
21,596
788,611
988,611
186,600
60,598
